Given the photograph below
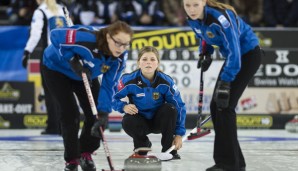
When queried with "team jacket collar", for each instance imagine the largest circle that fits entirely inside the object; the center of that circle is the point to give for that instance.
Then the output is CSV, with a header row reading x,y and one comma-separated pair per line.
x,y
145,80
111,57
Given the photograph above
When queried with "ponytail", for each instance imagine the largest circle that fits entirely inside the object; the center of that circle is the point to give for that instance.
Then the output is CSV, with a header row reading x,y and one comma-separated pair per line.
x,y
214,3
52,5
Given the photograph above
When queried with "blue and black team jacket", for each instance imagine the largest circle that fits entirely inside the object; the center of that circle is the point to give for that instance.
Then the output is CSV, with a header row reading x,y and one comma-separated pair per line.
x,y
66,42
230,33
148,97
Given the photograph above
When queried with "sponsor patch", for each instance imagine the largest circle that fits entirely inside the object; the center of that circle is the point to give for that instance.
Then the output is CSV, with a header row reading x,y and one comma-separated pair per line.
x,y
224,22
175,87
95,50
90,63
70,36
125,56
140,95
198,31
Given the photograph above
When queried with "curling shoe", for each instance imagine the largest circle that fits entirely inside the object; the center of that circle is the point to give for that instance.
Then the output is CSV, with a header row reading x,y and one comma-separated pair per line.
x,y
86,162
72,165
176,156
218,168
143,153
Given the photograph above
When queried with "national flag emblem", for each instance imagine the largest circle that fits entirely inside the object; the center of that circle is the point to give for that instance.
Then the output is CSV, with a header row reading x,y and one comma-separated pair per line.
x,y
210,34
120,85
105,68
155,95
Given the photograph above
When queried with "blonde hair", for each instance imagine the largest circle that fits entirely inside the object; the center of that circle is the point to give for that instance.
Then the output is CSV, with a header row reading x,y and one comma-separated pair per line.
x,y
52,5
146,49
214,3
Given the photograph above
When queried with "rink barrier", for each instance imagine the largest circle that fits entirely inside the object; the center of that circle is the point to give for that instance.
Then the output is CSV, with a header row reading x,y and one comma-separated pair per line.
x,y
244,121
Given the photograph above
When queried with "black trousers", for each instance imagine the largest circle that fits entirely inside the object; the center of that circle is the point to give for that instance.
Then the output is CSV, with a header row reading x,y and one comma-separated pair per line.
x,y
163,122
63,89
53,124
227,151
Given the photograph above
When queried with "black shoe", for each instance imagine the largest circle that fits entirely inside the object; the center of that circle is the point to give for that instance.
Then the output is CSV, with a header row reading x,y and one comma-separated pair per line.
x,y
176,156
71,166
143,153
242,169
86,162
215,168
218,168
45,132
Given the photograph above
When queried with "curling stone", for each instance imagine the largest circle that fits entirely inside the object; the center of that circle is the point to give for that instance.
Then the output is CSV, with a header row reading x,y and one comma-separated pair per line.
x,y
115,122
292,125
137,162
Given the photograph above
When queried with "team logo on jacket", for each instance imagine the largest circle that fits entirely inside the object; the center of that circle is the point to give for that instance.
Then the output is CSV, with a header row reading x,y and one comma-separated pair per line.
x,y
140,83
105,68
59,22
210,34
155,95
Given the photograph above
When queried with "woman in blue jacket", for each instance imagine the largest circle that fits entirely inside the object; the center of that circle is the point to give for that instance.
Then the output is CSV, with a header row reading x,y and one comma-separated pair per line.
x,y
96,52
218,24
154,105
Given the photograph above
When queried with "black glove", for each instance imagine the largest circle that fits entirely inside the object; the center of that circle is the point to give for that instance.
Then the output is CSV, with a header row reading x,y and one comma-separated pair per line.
x,y
222,94
25,58
205,61
78,68
102,121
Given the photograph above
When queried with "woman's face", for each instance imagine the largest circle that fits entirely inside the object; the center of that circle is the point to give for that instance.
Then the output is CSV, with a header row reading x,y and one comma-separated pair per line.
x,y
148,63
118,43
194,8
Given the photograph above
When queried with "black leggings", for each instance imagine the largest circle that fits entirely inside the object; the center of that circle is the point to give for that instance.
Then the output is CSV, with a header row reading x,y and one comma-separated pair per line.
x,y
62,89
163,122
227,151
53,124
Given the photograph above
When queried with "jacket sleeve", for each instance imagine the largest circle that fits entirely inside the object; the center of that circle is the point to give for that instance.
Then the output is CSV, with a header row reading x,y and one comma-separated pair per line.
x,y
66,41
121,92
231,41
36,30
107,89
173,97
